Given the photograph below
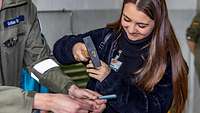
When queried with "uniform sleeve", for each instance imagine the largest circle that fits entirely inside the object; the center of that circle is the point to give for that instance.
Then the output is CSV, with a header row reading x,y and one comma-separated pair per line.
x,y
14,100
37,53
132,99
194,29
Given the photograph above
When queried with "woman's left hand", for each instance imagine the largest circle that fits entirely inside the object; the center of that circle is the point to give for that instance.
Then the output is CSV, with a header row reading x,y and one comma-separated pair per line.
x,y
101,73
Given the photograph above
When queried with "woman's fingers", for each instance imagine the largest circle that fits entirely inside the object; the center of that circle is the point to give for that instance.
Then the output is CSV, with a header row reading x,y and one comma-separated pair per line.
x,y
80,52
93,71
101,73
90,65
95,76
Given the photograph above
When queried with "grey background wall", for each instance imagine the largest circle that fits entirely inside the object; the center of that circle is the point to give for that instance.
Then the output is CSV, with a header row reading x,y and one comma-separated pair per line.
x,y
77,4
102,4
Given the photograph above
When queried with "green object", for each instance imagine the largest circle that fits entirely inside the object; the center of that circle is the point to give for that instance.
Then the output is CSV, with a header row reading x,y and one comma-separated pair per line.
x,y
77,72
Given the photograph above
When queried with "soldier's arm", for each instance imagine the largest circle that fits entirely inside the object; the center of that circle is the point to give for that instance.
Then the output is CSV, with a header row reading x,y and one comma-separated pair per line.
x,y
14,100
46,71
44,68
37,57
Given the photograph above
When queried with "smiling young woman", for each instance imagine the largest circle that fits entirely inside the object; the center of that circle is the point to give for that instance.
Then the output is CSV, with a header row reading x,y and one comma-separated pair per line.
x,y
136,24
141,61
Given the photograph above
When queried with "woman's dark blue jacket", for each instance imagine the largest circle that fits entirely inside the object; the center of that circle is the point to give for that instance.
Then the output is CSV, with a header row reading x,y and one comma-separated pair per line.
x,y
130,98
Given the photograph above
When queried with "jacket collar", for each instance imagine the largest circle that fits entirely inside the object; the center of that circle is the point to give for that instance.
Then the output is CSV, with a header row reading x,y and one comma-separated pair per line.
x,y
12,3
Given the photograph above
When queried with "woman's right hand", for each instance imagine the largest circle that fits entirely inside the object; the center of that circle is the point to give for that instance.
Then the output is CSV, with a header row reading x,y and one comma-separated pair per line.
x,y
80,53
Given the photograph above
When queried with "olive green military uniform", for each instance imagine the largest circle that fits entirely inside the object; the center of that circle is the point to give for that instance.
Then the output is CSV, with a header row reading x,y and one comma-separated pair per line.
x,y
193,34
21,46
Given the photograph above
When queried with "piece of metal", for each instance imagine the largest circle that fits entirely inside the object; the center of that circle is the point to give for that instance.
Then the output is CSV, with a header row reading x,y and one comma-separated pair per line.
x,y
92,51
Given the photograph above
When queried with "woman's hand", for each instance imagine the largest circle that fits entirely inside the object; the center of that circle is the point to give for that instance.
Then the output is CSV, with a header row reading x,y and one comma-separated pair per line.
x,y
101,73
80,52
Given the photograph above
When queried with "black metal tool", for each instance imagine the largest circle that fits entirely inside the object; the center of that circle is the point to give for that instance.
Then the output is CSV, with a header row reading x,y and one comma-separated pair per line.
x,y
92,51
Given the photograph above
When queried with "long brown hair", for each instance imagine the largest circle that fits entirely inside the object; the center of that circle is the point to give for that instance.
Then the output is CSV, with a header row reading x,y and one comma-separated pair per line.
x,y
164,43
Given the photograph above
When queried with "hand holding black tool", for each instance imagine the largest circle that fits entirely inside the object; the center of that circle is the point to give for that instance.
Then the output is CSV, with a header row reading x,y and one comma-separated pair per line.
x,y
92,51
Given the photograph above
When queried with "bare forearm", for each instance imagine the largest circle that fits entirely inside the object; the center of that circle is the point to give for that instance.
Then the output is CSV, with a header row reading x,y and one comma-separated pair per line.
x,y
42,101
60,103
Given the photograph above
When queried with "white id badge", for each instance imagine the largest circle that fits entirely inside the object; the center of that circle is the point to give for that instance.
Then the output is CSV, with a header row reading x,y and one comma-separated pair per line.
x,y
115,64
